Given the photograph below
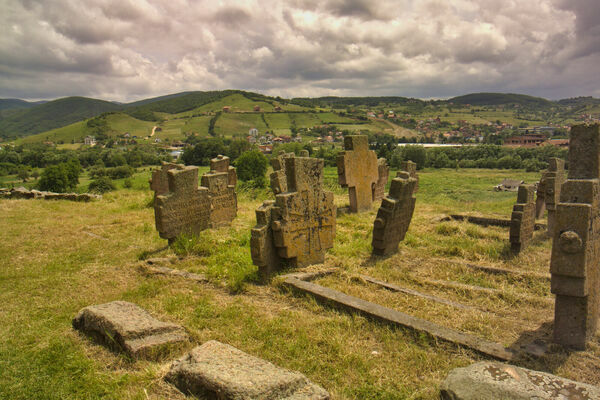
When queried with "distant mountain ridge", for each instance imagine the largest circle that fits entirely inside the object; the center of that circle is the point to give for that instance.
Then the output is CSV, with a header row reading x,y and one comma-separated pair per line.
x,y
19,118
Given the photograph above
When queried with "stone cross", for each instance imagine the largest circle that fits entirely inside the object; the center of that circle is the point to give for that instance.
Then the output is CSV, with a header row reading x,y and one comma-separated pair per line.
x,y
383,176
394,215
220,182
299,226
357,170
278,176
553,179
159,182
522,220
185,208
575,260
540,198
411,168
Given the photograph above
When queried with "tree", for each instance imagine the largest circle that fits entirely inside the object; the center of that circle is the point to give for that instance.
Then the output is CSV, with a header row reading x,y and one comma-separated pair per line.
x,y
54,179
23,174
252,166
101,185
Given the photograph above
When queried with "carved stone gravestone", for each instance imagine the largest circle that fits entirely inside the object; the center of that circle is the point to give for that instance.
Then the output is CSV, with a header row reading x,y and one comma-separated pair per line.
x,y
220,182
299,226
159,181
522,220
553,178
278,176
394,215
411,168
384,173
357,170
185,208
575,261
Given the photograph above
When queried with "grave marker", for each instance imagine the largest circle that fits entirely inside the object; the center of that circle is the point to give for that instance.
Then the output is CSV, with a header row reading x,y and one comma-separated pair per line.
x,y
185,208
575,261
411,168
299,226
522,220
160,181
357,170
394,215
553,178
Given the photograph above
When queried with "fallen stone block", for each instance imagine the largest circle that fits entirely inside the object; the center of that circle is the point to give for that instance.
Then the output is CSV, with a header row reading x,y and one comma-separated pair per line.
x,y
492,380
124,326
219,371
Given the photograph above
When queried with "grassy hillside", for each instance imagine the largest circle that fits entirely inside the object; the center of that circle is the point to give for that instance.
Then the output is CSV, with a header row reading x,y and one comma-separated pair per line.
x,y
53,114
481,99
9,104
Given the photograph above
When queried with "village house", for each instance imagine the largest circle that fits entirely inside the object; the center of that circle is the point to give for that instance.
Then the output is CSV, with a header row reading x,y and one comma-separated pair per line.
x,y
89,141
530,140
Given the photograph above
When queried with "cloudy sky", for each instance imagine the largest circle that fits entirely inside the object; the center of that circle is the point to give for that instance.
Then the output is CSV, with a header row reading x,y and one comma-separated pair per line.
x,y
126,50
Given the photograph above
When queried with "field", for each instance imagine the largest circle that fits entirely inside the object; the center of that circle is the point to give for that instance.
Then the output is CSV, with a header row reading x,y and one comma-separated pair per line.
x,y
60,256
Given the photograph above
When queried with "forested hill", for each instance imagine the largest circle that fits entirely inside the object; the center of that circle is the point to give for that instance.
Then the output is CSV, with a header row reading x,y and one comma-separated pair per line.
x,y
491,99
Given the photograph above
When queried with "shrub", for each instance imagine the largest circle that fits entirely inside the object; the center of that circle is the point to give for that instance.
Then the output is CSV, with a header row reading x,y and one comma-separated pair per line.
x,y
54,179
252,166
101,185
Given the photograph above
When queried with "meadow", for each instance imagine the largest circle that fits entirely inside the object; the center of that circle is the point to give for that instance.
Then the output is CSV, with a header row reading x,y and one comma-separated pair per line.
x,y
60,256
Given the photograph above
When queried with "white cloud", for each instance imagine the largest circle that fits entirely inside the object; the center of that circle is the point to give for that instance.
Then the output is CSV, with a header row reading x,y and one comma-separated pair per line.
x,y
125,50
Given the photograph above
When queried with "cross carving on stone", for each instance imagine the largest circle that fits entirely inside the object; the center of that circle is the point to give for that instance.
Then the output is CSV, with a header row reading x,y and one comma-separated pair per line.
x,y
357,170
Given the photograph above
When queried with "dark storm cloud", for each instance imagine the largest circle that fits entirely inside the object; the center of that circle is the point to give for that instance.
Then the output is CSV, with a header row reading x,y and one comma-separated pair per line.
x,y
125,49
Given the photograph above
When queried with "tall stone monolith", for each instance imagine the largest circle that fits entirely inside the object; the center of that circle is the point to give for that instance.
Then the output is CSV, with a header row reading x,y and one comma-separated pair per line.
x,y
522,220
220,182
575,261
383,175
553,178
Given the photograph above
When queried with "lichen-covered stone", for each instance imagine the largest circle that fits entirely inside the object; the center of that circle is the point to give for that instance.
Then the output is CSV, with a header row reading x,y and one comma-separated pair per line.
x,y
357,170
124,326
394,215
299,226
494,381
219,371
220,182
522,220
575,260
185,208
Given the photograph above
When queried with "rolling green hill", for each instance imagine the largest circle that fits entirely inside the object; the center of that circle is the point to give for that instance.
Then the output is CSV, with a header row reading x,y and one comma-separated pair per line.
x,y
10,104
491,99
51,115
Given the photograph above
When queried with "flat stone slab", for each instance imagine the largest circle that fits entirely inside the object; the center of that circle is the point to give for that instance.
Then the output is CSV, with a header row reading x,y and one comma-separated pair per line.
x,y
219,371
124,326
492,380
485,221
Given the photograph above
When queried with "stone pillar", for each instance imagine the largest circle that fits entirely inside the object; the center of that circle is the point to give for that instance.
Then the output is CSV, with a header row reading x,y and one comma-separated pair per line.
x,y
575,261
522,220
411,168
384,173
220,182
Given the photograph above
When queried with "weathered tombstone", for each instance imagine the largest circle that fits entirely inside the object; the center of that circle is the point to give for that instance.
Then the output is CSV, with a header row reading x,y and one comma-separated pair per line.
x,y
575,261
554,177
185,208
220,182
217,370
540,198
487,380
383,173
394,215
522,220
159,181
124,326
299,226
411,168
357,170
